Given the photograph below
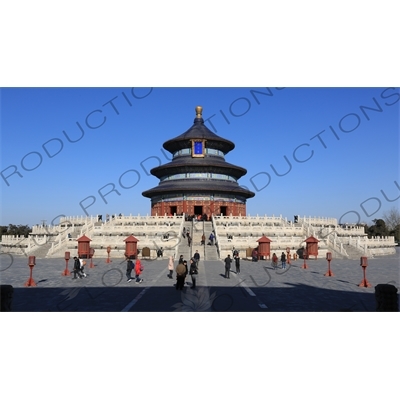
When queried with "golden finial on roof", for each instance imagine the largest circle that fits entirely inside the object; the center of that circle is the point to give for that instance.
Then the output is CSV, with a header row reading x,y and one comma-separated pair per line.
x,y
199,111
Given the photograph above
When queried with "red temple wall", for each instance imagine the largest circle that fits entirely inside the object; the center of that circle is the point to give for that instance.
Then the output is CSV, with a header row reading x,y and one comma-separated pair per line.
x,y
188,207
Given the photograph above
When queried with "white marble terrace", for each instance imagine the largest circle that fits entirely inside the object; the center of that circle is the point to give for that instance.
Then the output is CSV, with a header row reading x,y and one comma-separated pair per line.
x,y
165,231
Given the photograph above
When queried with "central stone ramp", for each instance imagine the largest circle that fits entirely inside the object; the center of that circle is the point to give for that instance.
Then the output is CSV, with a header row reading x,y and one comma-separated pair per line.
x,y
196,229
207,253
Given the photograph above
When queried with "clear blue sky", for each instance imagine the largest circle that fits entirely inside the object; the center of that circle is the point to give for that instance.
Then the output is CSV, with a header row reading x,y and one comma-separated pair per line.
x,y
345,173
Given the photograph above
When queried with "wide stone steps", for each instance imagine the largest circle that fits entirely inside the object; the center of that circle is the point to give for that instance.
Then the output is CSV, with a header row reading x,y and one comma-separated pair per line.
x,y
352,252
207,253
41,251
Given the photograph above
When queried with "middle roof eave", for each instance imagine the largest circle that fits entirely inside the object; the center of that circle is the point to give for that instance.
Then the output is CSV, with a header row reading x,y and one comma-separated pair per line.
x,y
188,164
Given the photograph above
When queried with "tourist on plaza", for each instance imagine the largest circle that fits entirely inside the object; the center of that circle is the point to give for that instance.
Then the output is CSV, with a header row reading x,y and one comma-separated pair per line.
x,y
170,267
82,267
189,238
186,268
193,272
237,262
180,275
283,260
184,232
274,261
211,239
235,252
77,268
180,261
129,268
228,262
196,257
254,255
203,239
138,271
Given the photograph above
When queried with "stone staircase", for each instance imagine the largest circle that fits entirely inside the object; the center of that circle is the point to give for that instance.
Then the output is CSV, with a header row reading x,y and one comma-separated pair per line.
x,y
353,252
42,250
197,228
183,248
210,252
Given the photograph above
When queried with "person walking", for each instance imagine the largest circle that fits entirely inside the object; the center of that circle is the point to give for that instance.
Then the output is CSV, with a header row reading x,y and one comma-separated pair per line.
x,y
180,275
283,260
77,268
203,239
274,261
193,272
82,267
129,268
170,267
138,271
237,263
228,262
186,271
189,239
196,257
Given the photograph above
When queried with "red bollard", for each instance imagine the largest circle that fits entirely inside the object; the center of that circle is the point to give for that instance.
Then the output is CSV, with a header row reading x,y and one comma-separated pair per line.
x,y
329,259
364,264
108,254
91,251
31,263
66,271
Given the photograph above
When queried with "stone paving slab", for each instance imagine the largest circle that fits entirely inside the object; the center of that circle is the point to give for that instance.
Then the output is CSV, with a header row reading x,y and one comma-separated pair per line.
x,y
258,288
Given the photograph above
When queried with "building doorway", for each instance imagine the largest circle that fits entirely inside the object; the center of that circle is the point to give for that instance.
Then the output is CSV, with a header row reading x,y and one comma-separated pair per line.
x,y
173,210
198,210
223,210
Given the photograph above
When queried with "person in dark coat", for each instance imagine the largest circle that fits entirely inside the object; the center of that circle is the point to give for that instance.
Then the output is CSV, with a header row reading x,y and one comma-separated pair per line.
x,y
211,239
196,257
254,255
283,260
237,263
129,268
193,272
77,268
228,262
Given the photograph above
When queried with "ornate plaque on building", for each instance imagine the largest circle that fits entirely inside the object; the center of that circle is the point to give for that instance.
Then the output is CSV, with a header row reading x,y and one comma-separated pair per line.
x,y
198,148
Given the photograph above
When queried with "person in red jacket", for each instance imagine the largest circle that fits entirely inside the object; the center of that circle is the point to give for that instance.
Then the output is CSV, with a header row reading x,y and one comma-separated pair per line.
x,y
138,271
274,261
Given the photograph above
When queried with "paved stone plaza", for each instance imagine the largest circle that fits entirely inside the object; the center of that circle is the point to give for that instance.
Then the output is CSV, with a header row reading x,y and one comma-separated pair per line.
x,y
257,288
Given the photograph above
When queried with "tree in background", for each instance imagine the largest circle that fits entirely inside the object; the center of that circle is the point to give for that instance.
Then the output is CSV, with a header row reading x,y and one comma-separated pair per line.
x,y
379,229
392,221
19,230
